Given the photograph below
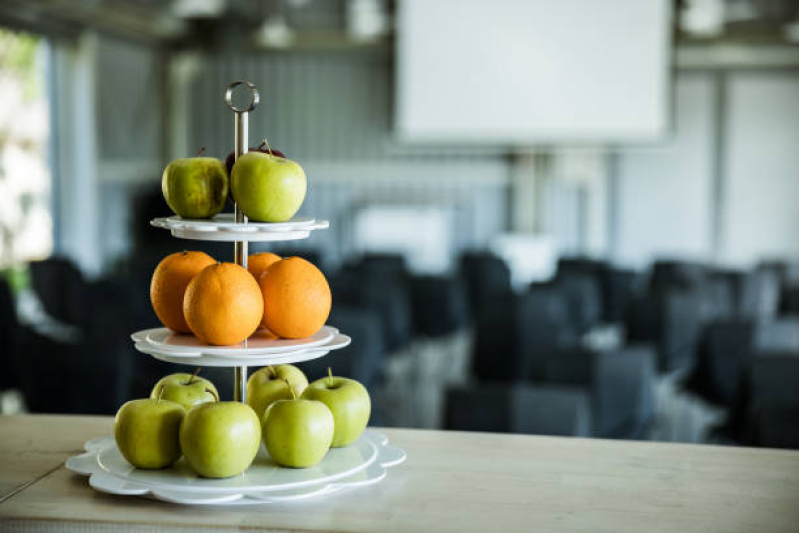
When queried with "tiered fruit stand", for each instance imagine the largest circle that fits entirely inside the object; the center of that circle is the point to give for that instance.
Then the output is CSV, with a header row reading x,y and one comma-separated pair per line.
x,y
362,463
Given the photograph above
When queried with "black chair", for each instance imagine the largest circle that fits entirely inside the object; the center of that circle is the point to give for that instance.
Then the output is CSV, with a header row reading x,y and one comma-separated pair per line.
x,y
516,334
671,320
385,294
619,286
768,410
60,287
486,275
583,298
760,295
620,385
671,274
9,339
726,351
440,305
529,409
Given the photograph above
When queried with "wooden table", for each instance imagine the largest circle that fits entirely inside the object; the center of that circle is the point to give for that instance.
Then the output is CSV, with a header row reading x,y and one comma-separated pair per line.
x,y
451,482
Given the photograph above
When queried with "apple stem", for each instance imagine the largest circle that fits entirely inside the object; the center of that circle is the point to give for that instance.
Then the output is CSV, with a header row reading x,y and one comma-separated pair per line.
x,y
212,393
160,393
201,152
293,394
266,142
271,370
329,377
191,379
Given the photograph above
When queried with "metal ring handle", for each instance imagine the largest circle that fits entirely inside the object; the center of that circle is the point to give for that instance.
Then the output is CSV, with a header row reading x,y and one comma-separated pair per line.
x,y
253,91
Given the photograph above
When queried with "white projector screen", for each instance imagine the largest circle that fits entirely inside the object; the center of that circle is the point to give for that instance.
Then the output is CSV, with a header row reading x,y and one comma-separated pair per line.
x,y
532,71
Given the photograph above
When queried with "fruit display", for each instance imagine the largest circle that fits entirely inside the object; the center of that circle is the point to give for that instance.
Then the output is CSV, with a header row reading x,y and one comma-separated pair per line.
x,y
168,286
349,402
297,298
266,187
223,304
273,383
195,187
263,311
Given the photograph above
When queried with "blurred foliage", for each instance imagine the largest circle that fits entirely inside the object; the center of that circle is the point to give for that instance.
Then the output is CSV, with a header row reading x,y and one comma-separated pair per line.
x,y
18,58
17,277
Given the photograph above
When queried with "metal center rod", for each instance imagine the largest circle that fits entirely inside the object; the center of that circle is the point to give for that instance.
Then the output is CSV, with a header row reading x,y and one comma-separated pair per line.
x,y
240,252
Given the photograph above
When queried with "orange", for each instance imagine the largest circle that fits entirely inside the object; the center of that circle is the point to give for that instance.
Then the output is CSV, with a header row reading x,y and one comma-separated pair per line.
x,y
223,304
297,298
257,265
169,282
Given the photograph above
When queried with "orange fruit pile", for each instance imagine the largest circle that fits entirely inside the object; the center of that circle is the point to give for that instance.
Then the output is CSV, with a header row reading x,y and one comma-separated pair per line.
x,y
223,303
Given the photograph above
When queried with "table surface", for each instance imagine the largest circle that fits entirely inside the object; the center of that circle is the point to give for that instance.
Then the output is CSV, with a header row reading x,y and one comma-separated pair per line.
x,y
451,481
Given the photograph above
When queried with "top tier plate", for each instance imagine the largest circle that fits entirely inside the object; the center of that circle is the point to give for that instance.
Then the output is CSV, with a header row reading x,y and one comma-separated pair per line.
x,y
223,227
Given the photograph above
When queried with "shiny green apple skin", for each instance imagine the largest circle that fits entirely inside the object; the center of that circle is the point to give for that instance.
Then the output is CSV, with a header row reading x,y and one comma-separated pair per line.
x,y
349,402
267,188
195,187
298,432
146,432
268,385
220,439
177,388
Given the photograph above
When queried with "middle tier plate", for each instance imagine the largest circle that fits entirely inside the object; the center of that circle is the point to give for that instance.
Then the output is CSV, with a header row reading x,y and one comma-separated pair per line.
x,y
260,349
223,227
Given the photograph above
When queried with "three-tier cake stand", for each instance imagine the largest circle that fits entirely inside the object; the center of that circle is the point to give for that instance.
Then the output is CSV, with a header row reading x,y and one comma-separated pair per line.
x,y
362,463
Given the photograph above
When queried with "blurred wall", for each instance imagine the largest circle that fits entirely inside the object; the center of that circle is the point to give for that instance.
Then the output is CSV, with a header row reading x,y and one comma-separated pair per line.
x,y
725,187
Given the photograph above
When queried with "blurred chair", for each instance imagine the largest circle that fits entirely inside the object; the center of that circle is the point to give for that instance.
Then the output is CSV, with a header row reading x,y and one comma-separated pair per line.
x,y
486,275
515,335
727,349
768,410
439,304
760,295
582,292
620,385
670,274
384,293
671,320
530,409
60,287
9,339
619,286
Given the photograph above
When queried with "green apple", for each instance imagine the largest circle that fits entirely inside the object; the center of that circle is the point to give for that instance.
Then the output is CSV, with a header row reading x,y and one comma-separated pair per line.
x,y
267,188
349,402
271,383
220,439
297,432
195,187
146,432
186,389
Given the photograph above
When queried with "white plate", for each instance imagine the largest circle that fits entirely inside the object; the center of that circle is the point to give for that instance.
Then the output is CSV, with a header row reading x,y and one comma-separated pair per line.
x,y
360,464
228,360
260,343
223,227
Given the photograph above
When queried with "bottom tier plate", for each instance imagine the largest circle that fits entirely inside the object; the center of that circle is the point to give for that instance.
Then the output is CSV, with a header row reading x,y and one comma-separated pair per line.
x,y
362,463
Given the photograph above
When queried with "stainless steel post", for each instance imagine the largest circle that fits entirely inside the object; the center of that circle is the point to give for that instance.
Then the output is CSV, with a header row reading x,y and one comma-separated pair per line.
x,y
241,123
